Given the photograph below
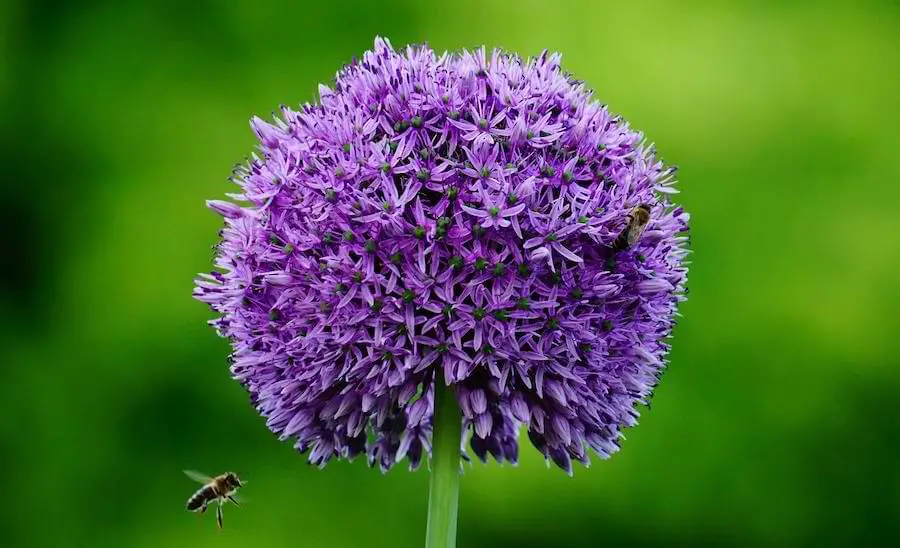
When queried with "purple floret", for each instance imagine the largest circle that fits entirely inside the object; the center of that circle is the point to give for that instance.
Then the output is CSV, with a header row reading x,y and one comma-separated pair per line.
x,y
448,218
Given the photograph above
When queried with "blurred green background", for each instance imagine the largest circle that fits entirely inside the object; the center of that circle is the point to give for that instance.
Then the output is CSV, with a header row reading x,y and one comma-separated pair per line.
x,y
777,424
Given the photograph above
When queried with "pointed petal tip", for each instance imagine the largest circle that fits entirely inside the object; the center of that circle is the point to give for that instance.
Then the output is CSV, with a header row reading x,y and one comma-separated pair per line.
x,y
225,209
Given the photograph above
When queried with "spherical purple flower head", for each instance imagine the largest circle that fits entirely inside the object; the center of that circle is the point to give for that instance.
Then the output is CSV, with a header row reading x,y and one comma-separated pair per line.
x,y
448,218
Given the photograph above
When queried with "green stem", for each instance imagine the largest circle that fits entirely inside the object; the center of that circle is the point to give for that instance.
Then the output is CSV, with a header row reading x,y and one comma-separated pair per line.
x,y
443,494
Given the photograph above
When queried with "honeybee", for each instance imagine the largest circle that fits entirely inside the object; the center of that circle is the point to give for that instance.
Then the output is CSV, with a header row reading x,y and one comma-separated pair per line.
x,y
219,489
638,220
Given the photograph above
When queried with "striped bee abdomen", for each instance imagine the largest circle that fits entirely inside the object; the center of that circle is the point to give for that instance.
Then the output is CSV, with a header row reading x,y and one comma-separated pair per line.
x,y
621,242
203,495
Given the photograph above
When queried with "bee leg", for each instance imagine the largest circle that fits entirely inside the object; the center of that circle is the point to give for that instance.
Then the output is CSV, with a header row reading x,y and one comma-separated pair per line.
x,y
219,515
233,501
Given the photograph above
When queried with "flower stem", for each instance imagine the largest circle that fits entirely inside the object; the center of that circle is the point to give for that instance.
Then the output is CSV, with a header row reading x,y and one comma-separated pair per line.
x,y
443,494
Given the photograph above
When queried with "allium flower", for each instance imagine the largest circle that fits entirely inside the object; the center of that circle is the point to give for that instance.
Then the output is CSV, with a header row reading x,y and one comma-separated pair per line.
x,y
448,219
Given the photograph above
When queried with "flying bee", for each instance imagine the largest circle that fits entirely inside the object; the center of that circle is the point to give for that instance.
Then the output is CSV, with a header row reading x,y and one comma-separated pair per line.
x,y
217,490
638,220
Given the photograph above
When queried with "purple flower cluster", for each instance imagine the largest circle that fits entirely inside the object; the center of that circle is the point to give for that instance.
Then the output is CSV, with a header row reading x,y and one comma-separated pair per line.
x,y
448,219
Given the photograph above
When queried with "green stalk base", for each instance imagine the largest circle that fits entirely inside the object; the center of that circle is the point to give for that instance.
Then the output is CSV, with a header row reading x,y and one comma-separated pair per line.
x,y
443,496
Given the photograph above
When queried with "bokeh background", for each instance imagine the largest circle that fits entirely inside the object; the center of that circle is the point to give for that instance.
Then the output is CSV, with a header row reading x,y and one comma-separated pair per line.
x,y
777,424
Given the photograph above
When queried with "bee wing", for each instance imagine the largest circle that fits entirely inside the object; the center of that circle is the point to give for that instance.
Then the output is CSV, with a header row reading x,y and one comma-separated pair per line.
x,y
197,476
638,224
634,234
